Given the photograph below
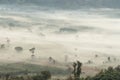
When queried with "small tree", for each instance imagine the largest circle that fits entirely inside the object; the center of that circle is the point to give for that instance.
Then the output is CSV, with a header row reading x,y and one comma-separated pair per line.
x,y
109,59
77,70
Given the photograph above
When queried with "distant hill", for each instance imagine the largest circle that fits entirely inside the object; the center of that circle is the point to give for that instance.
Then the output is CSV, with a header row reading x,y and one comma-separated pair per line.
x,y
20,68
66,4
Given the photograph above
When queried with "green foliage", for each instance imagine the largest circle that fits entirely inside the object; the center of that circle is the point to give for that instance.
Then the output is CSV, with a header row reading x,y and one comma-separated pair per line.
x,y
45,75
32,68
108,74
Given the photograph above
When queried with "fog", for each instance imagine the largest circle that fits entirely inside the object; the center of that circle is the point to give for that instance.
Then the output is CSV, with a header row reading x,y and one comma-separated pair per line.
x,y
58,33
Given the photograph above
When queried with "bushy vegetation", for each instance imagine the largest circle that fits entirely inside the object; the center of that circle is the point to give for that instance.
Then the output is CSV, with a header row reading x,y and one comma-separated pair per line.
x,y
20,68
45,75
108,74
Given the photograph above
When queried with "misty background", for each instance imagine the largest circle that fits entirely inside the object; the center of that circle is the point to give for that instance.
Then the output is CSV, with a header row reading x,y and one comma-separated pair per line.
x,y
60,27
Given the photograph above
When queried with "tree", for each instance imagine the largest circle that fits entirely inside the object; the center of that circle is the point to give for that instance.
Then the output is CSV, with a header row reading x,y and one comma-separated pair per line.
x,y
108,74
77,70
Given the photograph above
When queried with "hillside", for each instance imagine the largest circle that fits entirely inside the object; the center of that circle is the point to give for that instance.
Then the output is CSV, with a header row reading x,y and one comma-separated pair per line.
x,y
22,68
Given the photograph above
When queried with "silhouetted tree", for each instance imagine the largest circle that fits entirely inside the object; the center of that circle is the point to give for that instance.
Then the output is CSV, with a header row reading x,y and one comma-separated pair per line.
x,y
109,59
77,70
50,59
74,69
32,50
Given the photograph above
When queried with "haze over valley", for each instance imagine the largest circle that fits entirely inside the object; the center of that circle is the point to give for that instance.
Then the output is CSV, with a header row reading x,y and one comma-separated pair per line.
x,y
74,32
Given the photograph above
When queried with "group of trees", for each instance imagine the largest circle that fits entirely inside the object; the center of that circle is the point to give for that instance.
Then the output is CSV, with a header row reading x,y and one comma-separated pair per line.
x,y
77,70
44,75
108,74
